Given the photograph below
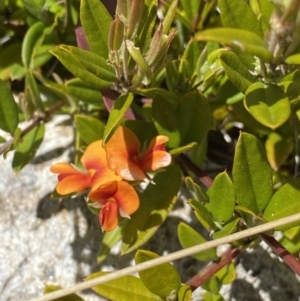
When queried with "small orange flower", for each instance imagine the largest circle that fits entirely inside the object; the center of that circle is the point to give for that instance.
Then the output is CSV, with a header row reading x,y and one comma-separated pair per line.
x,y
95,173
124,157
113,198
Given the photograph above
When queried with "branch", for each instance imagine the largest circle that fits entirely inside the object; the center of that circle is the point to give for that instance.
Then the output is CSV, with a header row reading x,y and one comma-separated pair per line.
x,y
290,260
170,257
213,268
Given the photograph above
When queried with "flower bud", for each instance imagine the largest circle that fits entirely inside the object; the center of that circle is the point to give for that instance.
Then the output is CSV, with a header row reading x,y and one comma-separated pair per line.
x,y
135,17
115,35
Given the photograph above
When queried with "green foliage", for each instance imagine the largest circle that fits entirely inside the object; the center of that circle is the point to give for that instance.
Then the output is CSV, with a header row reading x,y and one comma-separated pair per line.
x,y
8,109
207,71
165,275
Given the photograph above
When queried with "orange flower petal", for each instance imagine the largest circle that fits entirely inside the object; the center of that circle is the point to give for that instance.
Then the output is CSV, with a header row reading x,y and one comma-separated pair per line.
x,y
108,216
123,142
64,168
94,156
157,143
73,183
126,198
104,192
155,160
128,169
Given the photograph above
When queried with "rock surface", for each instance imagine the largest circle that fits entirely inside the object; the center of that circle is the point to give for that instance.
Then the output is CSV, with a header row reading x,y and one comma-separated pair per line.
x,y
46,241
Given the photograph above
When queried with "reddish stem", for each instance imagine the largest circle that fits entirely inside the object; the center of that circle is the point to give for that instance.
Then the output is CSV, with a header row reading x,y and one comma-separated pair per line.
x,y
213,268
290,260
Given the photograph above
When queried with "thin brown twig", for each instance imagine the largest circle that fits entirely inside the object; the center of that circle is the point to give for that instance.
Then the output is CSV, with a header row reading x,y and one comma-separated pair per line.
x,y
290,260
213,268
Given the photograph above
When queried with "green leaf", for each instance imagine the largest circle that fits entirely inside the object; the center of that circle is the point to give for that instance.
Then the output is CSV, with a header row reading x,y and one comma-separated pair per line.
x,y
193,118
156,201
8,109
227,229
95,21
32,92
213,284
222,198
189,9
278,148
185,293
196,190
252,174
209,296
236,71
237,14
268,104
293,59
52,288
90,129
251,124
28,147
121,105
128,288
166,277
182,149
188,237
149,18
247,41
31,39
83,92
284,202
203,215
88,66
227,274
110,239
165,120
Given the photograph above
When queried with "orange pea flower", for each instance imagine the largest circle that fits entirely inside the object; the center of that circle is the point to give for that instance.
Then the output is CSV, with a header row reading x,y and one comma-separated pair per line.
x,y
95,173
113,198
124,157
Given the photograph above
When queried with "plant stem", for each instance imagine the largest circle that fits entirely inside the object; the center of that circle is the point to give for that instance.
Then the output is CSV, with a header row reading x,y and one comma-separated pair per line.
x,y
282,252
213,268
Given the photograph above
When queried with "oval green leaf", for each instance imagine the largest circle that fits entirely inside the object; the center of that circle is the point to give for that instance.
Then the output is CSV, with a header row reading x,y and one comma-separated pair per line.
x,y
284,202
88,66
33,35
203,215
193,118
252,174
156,201
247,41
227,229
28,147
89,128
166,277
128,288
278,148
95,21
188,237
165,120
236,71
268,104
9,117
222,198
238,14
